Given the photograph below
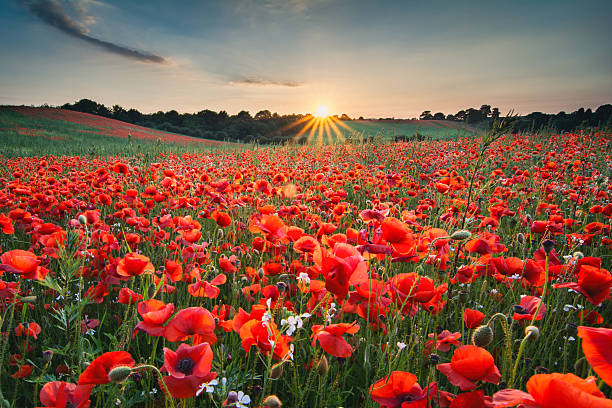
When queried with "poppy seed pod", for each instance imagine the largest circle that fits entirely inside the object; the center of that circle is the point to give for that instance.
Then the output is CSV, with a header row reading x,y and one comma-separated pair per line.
x,y
520,238
483,336
461,235
219,233
535,332
272,401
276,371
548,245
119,374
323,366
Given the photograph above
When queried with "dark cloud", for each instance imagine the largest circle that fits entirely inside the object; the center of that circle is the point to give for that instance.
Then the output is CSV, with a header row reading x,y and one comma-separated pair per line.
x,y
266,82
52,13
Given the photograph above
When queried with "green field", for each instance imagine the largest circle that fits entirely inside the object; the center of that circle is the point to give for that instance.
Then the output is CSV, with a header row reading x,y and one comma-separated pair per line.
x,y
25,135
388,129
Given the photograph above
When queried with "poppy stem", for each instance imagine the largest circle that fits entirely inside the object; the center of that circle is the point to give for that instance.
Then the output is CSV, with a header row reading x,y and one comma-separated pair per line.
x,y
161,381
518,358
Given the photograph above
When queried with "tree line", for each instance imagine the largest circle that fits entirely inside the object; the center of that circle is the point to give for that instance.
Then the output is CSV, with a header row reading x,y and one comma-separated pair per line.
x,y
268,127
562,121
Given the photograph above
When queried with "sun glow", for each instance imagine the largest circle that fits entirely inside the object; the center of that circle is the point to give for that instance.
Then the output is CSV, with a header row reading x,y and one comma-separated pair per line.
x,y
320,128
322,112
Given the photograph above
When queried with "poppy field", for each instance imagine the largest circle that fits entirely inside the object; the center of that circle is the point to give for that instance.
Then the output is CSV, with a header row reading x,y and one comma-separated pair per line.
x,y
464,273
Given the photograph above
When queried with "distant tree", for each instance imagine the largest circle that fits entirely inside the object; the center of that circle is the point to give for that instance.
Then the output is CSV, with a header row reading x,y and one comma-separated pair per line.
x,y
345,117
495,113
461,115
263,115
485,110
86,106
361,118
244,115
450,116
438,116
426,115
474,116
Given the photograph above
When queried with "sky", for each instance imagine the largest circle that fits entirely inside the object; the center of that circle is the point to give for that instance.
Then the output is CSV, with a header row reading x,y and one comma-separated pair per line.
x,y
375,58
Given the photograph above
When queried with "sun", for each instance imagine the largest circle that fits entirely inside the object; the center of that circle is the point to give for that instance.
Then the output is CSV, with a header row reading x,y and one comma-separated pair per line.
x,y
322,112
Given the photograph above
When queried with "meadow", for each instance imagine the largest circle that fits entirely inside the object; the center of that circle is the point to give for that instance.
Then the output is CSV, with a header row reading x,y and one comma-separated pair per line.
x,y
470,271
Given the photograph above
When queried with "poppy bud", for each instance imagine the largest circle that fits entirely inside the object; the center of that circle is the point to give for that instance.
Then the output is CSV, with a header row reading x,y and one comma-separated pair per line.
x,y
47,355
261,273
281,286
219,234
276,371
483,336
463,296
578,255
461,235
548,245
231,399
571,329
535,332
542,370
323,366
520,238
82,219
229,358
434,358
119,374
272,401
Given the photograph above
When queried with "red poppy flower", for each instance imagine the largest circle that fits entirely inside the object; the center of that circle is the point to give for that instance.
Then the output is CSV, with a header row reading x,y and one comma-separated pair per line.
x,y
597,347
593,282
27,329
472,399
222,219
469,365
154,314
6,224
271,226
59,394
24,263
188,360
134,264
202,288
528,307
406,288
23,371
192,321
97,371
128,296
186,387
443,341
554,391
472,318
401,390
330,338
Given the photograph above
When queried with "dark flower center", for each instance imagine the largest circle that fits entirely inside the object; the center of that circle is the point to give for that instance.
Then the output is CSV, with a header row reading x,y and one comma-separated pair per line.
x,y
185,365
410,398
69,404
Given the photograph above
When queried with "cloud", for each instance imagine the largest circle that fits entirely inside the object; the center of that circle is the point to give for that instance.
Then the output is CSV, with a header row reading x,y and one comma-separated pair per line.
x,y
54,14
265,82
